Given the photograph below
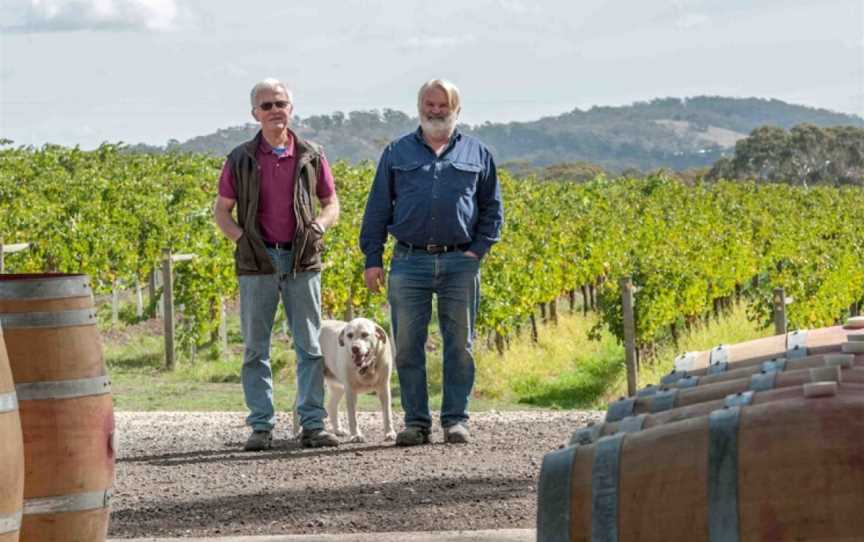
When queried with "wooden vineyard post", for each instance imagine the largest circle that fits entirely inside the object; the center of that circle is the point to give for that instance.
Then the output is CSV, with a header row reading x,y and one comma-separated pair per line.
x,y
115,302
139,298
223,326
779,311
629,322
168,308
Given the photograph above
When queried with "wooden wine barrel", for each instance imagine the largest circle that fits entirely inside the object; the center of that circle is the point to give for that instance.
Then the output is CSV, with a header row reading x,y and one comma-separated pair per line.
x,y
668,398
11,454
591,433
776,364
793,345
64,397
785,470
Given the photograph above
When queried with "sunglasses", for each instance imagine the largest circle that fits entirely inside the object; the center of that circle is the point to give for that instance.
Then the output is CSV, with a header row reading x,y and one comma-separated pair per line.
x,y
267,106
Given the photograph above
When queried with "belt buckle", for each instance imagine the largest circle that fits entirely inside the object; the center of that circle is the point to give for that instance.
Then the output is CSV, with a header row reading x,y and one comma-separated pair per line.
x,y
436,249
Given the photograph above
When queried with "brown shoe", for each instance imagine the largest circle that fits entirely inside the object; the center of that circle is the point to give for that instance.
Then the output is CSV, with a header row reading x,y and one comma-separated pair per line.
x,y
259,440
316,438
412,436
457,434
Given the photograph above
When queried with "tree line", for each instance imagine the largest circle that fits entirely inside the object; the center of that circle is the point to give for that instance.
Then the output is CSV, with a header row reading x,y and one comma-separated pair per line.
x,y
671,133
805,155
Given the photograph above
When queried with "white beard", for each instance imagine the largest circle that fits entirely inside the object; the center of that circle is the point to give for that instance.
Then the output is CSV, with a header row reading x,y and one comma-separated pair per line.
x,y
438,128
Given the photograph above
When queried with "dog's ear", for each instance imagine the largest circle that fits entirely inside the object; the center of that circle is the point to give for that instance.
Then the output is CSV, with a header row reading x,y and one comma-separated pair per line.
x,y
342,336
381,334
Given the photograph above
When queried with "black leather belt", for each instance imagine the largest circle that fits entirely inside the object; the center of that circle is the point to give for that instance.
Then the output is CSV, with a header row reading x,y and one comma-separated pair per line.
x,y
281,246
434,249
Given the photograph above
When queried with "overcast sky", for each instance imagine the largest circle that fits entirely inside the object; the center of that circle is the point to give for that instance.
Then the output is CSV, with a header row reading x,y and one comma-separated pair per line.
x,y
87,71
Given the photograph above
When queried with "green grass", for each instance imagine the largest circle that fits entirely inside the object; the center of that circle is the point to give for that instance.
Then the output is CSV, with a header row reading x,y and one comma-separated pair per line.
x,y
734,327
563,370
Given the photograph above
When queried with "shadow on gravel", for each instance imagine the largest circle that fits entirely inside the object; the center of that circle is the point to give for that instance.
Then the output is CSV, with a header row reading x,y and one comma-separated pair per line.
x,y
282,450
295,508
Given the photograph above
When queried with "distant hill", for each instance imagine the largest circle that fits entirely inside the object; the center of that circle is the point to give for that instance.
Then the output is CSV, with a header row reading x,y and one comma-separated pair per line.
x,y
665,132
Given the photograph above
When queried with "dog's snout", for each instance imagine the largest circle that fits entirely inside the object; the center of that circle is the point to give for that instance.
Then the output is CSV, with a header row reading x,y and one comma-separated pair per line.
x,y
355,349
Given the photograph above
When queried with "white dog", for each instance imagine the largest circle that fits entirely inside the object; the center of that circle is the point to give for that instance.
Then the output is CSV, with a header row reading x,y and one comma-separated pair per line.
x,y
357,359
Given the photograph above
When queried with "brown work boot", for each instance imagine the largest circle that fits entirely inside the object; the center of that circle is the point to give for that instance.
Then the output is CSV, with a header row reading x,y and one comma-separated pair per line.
x,y
316,438
412,436
457,434
259,440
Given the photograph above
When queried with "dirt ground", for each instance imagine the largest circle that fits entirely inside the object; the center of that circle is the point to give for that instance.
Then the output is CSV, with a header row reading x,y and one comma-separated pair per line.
x,y
185,474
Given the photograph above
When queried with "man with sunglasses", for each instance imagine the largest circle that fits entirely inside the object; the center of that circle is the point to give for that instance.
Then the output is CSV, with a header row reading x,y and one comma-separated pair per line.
x,y
272,181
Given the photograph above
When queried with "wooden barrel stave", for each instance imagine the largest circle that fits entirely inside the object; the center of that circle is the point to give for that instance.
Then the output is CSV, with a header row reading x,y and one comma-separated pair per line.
x,y
719,390
755,352
11,454
82,427
56,347
66,408
705,408
674,397
798,476
828,339
83,526
808,362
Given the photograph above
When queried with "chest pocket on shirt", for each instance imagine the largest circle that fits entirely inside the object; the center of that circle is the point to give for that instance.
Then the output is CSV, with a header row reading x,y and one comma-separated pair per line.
x,y
412,177
465,176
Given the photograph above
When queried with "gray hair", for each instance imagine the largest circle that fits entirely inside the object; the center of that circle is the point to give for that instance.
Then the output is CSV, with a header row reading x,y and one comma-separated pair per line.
x,y
449,89
269,84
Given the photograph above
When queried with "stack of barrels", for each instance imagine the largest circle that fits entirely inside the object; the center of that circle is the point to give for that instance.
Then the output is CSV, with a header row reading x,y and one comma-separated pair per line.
x,y
762,440
56,413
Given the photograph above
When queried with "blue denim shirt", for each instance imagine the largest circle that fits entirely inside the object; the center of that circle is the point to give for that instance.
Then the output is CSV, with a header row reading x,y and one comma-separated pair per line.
x,y
421,198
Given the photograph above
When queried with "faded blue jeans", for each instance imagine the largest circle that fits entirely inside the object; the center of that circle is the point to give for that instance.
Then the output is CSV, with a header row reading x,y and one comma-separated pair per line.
x,y
301,299
455,279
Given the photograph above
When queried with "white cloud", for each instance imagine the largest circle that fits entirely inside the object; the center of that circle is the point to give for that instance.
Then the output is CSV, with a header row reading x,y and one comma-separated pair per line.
x,y
228,69
515,6
691,20
437,42
36,16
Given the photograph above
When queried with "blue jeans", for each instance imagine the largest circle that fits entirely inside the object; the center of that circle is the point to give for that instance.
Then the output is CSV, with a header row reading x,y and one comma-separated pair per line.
x,y
301,299
455,278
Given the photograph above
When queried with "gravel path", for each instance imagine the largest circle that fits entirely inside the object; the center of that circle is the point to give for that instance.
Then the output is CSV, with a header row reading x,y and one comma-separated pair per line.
x,y
185,474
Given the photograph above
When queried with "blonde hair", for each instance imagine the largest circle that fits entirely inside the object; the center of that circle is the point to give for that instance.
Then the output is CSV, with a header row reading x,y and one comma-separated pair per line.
x,y
451,90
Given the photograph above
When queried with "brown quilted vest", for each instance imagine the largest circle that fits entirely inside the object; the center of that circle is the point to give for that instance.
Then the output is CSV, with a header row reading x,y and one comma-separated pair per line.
x,y
250,255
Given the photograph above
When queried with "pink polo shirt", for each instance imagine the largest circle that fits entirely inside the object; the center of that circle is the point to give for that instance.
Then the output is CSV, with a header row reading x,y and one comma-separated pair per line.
x,y
276,220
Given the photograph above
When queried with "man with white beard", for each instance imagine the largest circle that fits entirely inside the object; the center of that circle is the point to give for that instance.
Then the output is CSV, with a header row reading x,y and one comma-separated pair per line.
x,y
436,192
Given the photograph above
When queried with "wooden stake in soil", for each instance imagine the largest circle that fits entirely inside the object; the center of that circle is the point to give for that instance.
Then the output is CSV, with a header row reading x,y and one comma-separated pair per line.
x,y
115,302
779,311
139,298
223,326
585,301
629,322
535,336
499,343
168,308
